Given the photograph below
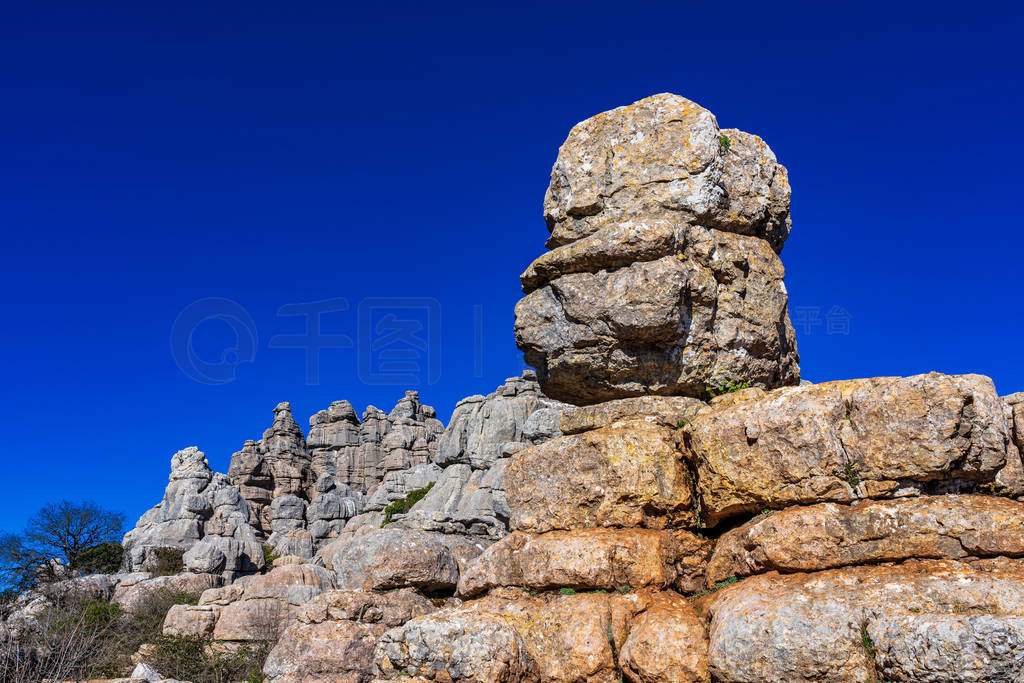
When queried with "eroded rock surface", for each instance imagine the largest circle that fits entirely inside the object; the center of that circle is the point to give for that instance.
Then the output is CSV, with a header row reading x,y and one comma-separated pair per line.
x,y
590,559
929,620
663,275
334,636
512,636
839,441
828,535
202,517
630,474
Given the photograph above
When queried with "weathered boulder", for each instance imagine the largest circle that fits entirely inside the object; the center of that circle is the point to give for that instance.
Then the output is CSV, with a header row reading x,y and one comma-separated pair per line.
x,y
665,643
839,441
510,635
481,425
333,505
827,535
930,620
663,275
395,558
630,474
334,636
590,559
259,611
202,516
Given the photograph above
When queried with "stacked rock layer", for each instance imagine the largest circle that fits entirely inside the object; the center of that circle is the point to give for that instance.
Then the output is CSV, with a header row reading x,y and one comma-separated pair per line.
x,y
663,275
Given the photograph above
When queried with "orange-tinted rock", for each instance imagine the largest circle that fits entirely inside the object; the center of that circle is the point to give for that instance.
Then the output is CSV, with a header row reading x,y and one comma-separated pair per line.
x,y
334,636
924,620
840,441
829,535
512,636
588,559
628,475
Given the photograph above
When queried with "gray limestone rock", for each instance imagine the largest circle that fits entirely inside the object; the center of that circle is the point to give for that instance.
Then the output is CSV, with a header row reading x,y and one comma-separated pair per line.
x,y
663,275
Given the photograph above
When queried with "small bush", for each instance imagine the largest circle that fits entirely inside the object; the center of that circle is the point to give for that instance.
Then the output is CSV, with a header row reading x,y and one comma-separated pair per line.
x,y
725,142
725,388
167,561
851,475
403,505
567,591
197,658
269,555
104,558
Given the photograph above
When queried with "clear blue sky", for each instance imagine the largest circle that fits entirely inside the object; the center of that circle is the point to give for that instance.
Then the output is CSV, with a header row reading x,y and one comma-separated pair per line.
x,y
274,154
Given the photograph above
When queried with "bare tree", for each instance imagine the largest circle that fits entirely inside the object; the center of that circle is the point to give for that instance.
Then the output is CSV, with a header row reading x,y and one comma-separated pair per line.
x,y
54,536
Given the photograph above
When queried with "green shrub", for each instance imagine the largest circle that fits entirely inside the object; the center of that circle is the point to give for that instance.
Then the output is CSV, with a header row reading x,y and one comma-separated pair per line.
x,y
567,591
268,557
725,142
725,388
623,589
104,558
403,505
851,475
196,658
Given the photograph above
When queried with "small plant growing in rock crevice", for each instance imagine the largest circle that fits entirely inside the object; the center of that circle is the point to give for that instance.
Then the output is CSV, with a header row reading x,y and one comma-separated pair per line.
x,y
269,555
717,587
403,505
725,388
851,475
725,142
567,591
865,640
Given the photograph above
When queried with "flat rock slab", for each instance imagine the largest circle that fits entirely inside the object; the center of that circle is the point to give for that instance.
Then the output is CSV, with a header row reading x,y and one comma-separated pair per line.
x,y
839,441
631,474
395,558
589,559
928,620
827,535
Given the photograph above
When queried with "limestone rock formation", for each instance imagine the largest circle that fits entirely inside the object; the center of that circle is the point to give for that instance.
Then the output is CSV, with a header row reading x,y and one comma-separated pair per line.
x,y
628,474
839,441
590,559
279,464
827,535
468,496
928,620
203,516
334,636
513,636
663,275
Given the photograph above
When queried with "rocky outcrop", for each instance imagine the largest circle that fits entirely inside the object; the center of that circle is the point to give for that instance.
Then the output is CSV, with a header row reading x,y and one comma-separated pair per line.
x,y
255,608
591,559
468,496
663,275
513,636
928,620
629,474
279,464
827,535
395,558
202,517
334,636
839,441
